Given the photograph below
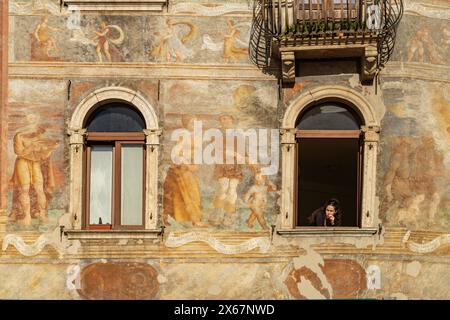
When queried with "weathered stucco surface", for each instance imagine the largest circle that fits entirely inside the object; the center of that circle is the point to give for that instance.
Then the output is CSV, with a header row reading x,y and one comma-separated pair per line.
x,y
203,72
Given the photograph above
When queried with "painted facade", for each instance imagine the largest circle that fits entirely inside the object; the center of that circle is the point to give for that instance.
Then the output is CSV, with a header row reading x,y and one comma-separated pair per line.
x,y
190,62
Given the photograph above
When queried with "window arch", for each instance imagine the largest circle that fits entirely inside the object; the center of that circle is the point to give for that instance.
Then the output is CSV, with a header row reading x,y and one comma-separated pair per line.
x,y
329,119
329,116
115,117
114,129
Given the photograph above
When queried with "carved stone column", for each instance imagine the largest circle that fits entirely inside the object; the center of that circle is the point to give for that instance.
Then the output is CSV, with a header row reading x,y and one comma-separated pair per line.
x,y
151,180
76,142
371,140
288,151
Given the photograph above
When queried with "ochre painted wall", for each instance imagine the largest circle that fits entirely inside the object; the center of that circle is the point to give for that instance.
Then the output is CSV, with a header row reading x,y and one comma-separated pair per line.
x,y
193,64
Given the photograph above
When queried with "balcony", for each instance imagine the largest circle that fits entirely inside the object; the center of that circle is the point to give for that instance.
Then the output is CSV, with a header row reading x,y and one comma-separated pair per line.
x,y
333,29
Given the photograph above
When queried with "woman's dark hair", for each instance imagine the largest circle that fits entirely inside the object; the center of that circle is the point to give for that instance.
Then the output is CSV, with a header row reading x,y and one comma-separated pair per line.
x,y
317,218
336,205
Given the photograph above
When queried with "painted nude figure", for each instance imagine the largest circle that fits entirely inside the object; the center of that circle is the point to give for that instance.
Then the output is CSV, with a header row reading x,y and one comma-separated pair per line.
x,y
106,44
45,40
33,171
256,198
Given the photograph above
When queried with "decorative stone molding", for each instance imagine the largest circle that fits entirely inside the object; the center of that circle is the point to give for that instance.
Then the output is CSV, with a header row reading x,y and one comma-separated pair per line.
x,y
76,142
369,63
112,234
371,130
115,5
371,133
152,136
288,66
76,132
340,93
324,231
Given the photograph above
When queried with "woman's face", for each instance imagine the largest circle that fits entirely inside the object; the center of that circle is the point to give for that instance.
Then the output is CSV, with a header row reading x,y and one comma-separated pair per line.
x,y
330,211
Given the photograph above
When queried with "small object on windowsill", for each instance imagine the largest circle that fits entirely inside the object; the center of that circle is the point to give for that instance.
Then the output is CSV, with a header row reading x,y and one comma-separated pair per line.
x,y
100,220
100,227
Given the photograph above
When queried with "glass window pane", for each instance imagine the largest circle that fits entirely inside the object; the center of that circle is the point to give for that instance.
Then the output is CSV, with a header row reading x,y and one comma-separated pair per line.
x,y
101,185
131,184
116,117
329,117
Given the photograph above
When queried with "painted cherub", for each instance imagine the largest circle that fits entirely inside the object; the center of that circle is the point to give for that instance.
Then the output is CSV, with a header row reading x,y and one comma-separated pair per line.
x,y
256,198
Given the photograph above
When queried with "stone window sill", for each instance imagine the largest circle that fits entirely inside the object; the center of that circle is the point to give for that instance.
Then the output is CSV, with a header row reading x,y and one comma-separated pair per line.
x,y
115,5
111,234
327,232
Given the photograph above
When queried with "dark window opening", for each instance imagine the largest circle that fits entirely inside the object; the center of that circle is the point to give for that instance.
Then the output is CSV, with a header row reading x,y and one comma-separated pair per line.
x,y
115,117
329,116
329,162
328,168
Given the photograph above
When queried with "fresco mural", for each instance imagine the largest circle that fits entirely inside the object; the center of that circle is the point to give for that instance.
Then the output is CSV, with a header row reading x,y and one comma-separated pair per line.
x,y
36,158
224,195
33,171
106,43
34,6
227,209
171,42
418,41
415,174
181,188
346,279
43,46
106,39
118,281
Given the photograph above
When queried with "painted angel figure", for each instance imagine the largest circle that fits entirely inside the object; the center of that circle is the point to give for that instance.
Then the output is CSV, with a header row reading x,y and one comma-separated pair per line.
x,y
171,45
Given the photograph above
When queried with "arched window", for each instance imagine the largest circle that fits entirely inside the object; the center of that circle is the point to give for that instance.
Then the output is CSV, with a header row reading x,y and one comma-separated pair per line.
x,y
114,151
329,157
114,167
329,146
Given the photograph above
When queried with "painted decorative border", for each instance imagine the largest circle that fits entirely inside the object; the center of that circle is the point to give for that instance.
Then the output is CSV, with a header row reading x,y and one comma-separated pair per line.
x,y
427,247
174,241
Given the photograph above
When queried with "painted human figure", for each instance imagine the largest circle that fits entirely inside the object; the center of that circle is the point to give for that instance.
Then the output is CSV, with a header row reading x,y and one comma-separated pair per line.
x,y
228,177
230,51
106,44
171,47
397,180
423,43
182,199
256,198
410,178
428,165
33,171
45,40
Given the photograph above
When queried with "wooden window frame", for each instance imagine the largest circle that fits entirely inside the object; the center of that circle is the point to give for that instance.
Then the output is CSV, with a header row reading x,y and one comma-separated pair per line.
x,y
330,134
116,140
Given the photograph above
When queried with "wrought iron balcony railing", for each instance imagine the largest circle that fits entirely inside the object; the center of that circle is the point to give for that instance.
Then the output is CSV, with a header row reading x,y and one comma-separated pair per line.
x,y
300,23
322,17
